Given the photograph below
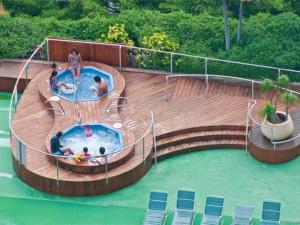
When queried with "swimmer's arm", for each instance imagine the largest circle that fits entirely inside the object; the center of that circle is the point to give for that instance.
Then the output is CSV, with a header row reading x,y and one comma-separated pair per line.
x,y
79,59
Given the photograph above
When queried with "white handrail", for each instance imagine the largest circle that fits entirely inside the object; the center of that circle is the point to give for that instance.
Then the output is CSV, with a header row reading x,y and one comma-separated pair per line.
x,y
107,108
253,103
167,77
175,53
43,152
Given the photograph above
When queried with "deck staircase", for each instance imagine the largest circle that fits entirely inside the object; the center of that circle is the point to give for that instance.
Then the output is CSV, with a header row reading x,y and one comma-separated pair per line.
x,y
198,138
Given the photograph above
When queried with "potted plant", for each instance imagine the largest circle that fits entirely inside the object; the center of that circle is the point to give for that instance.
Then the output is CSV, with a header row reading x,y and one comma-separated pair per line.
x,y
277,125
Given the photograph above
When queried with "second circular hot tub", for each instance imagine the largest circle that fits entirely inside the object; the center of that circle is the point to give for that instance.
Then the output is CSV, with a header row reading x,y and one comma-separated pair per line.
x,y
94,136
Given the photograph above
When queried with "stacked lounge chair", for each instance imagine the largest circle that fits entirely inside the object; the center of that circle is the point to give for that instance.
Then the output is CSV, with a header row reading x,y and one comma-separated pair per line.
x,y
270,213
184,213
213,213
243,215
156,213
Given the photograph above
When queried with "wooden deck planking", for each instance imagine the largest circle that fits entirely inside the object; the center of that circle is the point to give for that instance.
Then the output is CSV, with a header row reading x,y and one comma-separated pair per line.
x,y
190,105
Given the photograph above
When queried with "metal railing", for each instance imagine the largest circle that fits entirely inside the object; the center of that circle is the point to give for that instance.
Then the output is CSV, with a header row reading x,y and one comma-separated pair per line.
x,y
171,73
260,124
108,108
251,103
150,130
170,62
61,110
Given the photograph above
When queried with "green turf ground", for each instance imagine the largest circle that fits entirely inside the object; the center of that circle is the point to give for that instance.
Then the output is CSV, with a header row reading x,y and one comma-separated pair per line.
x,y
229,173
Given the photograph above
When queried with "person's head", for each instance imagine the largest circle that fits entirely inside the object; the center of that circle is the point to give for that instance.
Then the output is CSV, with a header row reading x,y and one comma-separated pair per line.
x,y
59,134
85,149
54,66
53,74
97,79
102,150
74,51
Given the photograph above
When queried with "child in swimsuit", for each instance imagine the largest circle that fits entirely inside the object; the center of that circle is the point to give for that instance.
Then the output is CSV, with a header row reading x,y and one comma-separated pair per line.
x,y
74,62
102,86
53,80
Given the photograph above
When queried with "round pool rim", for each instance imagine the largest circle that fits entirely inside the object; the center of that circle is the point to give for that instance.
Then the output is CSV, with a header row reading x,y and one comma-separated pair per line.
x,y
87,99
86,167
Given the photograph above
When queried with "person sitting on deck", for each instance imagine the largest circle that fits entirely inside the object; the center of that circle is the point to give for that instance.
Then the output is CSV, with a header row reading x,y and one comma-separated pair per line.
x,y
102,86
101,161
56,146
53,79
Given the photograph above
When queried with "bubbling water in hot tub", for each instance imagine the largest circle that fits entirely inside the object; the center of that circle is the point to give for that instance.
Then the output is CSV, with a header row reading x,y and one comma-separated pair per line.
x,y
79,137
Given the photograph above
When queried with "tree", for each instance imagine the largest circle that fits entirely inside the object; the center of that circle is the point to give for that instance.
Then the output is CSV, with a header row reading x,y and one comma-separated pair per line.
x,y
226,25
118,34
278,86
268,111
241,19
289,99
157,41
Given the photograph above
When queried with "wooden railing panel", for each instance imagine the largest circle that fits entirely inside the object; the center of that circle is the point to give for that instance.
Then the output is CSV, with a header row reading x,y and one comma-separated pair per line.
x,y
59,50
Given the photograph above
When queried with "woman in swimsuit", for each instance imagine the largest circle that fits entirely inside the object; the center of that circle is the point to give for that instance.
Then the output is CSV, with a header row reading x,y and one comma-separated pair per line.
x,y
74,62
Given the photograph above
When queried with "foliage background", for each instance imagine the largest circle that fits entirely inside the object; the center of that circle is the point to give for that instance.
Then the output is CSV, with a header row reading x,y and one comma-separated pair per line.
x,y
270,32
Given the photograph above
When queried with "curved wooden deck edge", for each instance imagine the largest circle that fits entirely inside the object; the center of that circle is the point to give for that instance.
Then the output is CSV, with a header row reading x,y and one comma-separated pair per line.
x,y
85,166
273,156
117,182
84,188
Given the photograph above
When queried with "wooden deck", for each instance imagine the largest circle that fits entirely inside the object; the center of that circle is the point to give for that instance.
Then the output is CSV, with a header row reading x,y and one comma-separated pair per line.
x,y
195,117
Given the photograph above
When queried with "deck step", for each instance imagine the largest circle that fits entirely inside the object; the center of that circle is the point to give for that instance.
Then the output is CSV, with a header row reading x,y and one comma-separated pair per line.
x,y
200,136
199,145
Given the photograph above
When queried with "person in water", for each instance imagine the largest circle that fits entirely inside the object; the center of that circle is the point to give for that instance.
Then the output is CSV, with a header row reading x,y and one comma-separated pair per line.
x,y
79,157
74,62
101,160
53,79
102,86
86,152
56,146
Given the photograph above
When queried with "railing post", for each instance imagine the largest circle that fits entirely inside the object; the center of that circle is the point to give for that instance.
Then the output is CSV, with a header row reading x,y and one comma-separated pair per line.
x,y
48,51
206,76
26,75
171,63
16,97
154,140
167,88
144,151
252,89
120,57
247,127
57,172
279,72
106,170
251,133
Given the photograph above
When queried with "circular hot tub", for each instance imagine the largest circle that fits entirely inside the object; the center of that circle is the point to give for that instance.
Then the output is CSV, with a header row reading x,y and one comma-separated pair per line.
x,y
94,136
82,87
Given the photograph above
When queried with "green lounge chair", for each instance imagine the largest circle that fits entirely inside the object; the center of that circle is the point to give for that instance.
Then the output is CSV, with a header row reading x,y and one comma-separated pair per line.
x,y
213,213
243,215
184,214
270,213
156,213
